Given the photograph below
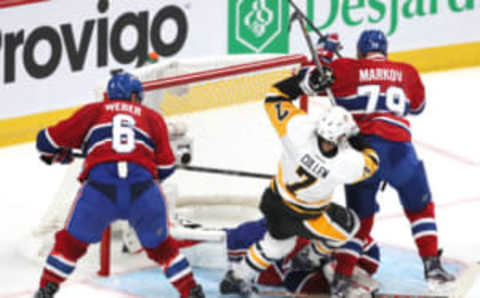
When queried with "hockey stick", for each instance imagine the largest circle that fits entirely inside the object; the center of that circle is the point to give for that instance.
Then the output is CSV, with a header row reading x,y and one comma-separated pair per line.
x,y
225,172
310,23
298,16
209,170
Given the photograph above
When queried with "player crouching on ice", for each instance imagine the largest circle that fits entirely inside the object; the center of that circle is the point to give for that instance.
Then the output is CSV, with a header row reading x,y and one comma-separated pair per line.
x,y
318,154
306,270
127,152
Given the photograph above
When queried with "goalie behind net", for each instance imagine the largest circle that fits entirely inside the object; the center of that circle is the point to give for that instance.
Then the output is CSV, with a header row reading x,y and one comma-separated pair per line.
x,y
210,106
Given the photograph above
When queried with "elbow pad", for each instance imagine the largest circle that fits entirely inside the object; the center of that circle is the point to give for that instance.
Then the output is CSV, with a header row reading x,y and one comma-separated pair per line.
x,y
290,87
45,144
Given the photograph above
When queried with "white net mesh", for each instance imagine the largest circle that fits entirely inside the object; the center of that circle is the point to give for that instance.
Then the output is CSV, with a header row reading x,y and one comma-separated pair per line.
x,y
221,108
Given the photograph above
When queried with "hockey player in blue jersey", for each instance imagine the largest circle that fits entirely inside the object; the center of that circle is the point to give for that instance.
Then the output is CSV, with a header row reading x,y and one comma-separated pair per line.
x,y
127,153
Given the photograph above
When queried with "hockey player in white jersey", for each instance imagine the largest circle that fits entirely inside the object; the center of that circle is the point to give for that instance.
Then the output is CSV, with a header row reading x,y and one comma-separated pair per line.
x,y
318,154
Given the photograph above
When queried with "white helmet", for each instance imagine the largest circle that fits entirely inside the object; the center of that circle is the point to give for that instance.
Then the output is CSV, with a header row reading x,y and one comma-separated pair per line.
x,y
334,123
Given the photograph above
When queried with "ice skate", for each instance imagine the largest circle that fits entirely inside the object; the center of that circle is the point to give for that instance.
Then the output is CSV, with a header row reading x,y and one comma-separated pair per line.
x,y
437,277
47,292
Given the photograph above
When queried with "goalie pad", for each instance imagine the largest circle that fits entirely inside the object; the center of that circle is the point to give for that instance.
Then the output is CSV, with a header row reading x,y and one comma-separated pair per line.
x,y
131,243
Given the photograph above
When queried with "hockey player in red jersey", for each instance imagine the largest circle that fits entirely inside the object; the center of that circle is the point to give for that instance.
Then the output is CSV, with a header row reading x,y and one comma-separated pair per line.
x,y
127,152
380,94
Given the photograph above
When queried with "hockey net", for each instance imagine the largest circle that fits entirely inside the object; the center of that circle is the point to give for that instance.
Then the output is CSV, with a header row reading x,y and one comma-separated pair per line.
x,y
220,101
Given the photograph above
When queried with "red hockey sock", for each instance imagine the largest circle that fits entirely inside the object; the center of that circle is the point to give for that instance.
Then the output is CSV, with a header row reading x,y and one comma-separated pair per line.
x,y
424,230
184,284
63,258
175,265
347,256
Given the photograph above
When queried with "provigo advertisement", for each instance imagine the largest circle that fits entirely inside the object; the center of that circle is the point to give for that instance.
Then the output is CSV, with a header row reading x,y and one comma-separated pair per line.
x,y
54,53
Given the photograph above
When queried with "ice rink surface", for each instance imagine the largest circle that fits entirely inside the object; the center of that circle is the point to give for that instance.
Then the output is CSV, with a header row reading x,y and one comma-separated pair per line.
x,y
446,136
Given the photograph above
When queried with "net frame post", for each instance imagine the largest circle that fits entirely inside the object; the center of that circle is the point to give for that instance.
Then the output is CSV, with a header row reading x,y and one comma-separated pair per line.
x,y
105,253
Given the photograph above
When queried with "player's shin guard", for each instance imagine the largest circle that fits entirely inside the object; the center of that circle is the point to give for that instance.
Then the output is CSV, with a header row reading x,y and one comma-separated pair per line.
x,y
348,255
63,258
263,253
175,265
424,230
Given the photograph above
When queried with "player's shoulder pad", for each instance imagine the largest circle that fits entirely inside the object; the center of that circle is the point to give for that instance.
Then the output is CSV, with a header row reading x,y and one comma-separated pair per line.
x,y
300,128
343,64
343,61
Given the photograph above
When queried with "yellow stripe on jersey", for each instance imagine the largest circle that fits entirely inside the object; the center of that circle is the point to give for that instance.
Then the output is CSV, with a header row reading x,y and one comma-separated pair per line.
x,y
280,111
274,91
257,259
323,227
321,248
371,164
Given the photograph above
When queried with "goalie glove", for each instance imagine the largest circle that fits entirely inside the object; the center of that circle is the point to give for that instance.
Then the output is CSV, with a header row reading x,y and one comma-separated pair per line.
x,y
64,156
311,81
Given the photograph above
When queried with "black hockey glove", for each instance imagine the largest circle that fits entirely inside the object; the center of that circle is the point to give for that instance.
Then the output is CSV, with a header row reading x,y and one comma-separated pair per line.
x,y
358,142
64,156
311,81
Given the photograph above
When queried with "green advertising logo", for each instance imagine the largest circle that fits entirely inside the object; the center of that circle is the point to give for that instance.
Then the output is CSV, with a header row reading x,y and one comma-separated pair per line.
x,y
376,13
257,26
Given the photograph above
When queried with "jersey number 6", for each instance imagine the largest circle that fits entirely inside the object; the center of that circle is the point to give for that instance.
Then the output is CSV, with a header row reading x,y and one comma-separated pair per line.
x,y
123,133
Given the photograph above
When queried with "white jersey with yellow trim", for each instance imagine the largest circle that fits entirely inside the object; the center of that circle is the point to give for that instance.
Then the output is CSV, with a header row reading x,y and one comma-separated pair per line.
x,y
306,178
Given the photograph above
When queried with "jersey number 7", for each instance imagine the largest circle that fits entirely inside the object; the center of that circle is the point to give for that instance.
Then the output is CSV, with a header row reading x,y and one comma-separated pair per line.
x,y
307,179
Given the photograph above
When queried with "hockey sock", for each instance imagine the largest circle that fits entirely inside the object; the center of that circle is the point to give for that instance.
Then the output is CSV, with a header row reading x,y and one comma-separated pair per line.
x,y
175,265
63,258
347,256
370,258
179,273
424,230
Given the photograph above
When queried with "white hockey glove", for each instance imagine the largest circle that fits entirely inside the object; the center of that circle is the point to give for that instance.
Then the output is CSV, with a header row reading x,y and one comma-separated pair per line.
x,y
312,82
